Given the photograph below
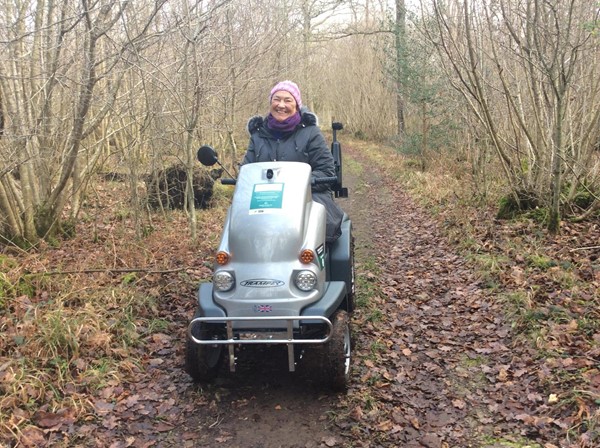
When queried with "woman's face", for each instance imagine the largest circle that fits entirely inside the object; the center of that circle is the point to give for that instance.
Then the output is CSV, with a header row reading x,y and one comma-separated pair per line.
x,y
283,105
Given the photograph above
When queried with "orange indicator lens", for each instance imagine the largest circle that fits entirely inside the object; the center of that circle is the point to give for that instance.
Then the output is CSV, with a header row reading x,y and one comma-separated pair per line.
x,y
307,256
222,258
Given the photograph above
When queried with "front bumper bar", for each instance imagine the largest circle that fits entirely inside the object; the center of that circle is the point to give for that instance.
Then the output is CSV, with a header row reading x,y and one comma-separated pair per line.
x,y
258,337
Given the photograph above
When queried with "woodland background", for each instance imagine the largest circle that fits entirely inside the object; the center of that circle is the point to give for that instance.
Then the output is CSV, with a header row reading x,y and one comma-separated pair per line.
x,y
506,91
479,109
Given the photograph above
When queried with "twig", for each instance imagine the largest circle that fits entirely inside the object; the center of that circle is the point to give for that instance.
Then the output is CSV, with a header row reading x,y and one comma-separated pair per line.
x,y
91,271
217,422
585,248
589,393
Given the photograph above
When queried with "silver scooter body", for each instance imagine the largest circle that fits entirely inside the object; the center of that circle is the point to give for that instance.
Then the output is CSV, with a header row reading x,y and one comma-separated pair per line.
x,y
271,220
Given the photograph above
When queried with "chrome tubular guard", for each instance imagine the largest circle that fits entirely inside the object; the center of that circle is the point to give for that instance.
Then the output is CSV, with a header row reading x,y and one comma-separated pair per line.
x,y
258,337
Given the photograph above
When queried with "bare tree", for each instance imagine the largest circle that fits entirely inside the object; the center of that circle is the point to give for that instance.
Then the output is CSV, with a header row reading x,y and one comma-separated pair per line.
x,y
249,38
400,32
68,60
154,86
520,67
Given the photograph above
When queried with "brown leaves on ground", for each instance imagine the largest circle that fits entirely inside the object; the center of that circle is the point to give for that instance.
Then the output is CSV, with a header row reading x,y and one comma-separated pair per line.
x,y
91,349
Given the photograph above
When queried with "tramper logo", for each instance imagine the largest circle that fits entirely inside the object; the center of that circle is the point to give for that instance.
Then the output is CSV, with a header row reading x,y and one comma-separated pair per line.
x,y
262,283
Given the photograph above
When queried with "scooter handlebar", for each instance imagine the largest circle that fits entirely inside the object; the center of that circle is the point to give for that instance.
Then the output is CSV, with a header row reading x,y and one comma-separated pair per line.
x,y
314,180
323,180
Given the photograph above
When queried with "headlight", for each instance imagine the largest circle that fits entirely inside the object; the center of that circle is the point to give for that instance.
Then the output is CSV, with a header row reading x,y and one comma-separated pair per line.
x,y
305,280
223,281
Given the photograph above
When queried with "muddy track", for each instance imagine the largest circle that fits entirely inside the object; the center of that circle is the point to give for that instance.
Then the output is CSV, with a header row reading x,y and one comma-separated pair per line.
x,y
433,365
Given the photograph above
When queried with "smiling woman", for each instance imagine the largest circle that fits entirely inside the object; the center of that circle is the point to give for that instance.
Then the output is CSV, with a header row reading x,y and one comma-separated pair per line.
x,y
290,133
283,106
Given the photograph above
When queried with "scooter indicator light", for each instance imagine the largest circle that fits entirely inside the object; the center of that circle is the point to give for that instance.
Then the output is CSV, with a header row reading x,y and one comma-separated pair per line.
x,y
222,258
307,256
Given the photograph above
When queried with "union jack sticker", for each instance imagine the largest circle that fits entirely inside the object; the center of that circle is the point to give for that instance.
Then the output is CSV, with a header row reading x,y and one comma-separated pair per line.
x,y
263,308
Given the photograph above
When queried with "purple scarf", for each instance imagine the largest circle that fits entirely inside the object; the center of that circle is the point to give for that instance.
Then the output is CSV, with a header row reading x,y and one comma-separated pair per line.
x,y
282,127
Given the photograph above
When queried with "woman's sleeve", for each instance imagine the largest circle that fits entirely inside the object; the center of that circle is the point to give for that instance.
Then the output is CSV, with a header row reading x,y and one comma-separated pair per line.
x,y
250,156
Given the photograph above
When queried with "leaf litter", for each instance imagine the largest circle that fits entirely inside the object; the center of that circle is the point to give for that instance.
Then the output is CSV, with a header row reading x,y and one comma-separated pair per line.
x,y
438,361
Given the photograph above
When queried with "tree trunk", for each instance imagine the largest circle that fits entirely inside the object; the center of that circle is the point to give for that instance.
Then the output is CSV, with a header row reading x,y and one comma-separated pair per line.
x,y
556,184
400,48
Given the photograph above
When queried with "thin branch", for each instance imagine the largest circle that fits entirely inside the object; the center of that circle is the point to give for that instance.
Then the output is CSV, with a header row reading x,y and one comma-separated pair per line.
x,y
345,34
107,271
585,248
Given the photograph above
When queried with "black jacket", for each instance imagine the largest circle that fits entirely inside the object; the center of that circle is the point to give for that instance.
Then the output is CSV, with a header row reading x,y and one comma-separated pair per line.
x,y
305,144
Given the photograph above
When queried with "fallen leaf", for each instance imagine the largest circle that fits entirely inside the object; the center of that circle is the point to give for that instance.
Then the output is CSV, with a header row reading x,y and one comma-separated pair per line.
x,y
415,422
33,437
54,419
572,326
385,425
357,413
503,375
329,441
102,407
459,404
163,427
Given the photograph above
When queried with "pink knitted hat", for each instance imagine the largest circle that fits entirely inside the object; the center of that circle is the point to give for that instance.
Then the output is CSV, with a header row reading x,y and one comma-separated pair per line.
x,y
288,86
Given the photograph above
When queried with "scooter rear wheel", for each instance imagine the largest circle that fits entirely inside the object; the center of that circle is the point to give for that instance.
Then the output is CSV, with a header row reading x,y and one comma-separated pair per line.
x,y
350,295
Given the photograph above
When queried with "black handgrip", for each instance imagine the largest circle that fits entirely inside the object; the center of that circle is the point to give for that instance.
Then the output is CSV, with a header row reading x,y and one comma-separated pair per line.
x,y
227,181
323,180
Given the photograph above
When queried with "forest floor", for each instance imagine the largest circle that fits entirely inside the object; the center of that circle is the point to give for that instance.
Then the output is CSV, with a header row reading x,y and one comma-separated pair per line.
x,y
454,347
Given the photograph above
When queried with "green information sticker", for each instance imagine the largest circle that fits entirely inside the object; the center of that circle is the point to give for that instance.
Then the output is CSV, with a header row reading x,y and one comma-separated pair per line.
x,y
266,198
321,256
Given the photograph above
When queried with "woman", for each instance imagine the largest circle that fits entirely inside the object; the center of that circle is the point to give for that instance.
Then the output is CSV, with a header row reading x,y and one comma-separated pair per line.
x,y
290,133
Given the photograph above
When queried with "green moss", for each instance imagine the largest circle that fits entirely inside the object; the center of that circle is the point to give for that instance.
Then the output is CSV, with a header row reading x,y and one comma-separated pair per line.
x,y
514,204
540,261
584,199
129,278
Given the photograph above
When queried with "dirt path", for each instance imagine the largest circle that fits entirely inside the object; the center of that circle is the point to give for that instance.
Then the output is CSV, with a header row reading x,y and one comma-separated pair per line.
x,y
432,364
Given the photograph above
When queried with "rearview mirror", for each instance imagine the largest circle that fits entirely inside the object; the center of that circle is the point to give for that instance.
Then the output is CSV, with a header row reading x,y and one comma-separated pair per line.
x,y
207,155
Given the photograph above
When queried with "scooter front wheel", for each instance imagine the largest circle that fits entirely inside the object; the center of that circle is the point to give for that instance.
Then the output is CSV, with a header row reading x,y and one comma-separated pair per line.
x,y
203,362
329,363
338,352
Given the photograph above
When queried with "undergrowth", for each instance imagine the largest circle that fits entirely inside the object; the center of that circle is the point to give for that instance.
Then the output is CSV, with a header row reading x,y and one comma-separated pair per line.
x,y
66,335
70,327
54,350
